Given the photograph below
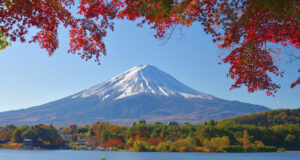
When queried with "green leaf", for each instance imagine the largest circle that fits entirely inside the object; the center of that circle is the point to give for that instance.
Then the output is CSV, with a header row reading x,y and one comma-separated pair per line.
x,y
3,41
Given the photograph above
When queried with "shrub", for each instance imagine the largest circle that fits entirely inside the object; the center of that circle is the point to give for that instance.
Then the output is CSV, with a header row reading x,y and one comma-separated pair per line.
x,y
233,148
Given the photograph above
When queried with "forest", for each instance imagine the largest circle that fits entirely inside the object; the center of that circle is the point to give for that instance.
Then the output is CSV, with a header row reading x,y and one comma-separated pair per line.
x,y
211,136
280,116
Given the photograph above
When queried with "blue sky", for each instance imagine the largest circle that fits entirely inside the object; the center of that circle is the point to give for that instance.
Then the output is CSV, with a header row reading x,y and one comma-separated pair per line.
x,y
29,77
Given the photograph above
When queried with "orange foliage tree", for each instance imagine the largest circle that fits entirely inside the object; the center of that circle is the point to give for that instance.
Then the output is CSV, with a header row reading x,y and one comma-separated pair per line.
x,y
155,140
245,27
113,143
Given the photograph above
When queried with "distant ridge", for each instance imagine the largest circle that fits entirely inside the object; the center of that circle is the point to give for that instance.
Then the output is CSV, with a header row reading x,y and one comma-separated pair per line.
x,y
141,92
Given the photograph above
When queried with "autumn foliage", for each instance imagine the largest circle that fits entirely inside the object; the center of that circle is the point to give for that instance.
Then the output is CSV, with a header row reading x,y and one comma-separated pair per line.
x,y
281,116
113,143
155,140
262,132
246,28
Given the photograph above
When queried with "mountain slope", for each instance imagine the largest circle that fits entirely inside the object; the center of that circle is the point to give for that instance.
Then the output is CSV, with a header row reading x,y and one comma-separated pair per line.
x,y
145,79
141,92
275,117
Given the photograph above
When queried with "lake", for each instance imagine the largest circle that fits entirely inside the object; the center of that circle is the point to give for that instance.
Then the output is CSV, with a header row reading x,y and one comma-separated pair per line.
x,y
97,155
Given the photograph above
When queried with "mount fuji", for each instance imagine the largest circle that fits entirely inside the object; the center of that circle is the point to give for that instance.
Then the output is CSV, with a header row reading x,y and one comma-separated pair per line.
x,y
141,92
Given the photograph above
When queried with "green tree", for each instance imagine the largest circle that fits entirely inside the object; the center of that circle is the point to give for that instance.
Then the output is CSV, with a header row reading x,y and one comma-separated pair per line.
x,y
18,135
140,146
105,136
90,133
216,144
166,146
211,122
185,145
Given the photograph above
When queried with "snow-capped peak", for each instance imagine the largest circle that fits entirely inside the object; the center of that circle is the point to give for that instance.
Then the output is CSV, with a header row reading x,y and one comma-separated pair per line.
x,y
142,79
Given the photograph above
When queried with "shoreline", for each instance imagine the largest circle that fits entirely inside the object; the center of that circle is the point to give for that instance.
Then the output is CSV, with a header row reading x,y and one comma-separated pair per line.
x,y
291,151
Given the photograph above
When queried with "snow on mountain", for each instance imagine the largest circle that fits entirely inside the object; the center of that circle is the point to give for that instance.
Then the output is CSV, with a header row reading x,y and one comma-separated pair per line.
x,y
143,79
141,92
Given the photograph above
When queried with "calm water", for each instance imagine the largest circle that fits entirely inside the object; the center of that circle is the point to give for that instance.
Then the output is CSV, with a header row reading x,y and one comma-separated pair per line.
x,y
96,155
